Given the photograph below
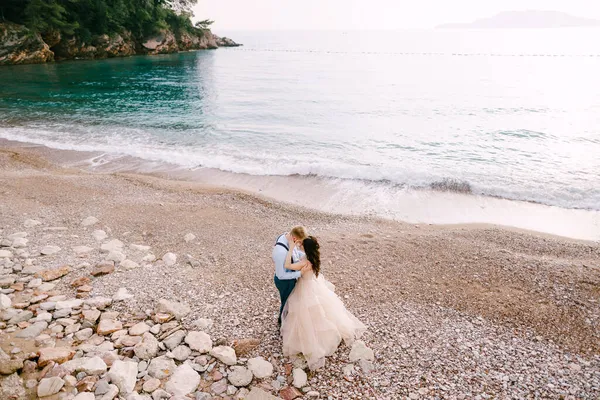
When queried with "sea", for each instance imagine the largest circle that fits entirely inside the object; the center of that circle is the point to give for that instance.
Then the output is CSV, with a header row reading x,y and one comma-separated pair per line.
x,y
422,126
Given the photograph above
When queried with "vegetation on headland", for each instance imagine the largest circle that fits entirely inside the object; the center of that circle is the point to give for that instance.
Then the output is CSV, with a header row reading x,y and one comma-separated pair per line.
x,y
86,19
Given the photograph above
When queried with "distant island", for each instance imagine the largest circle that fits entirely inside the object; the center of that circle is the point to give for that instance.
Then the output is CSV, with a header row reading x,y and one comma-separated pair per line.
x,y
40,31
525,19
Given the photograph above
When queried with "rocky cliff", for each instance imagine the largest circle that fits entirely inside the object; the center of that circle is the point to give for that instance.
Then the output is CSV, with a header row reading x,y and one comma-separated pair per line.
x,y
19,45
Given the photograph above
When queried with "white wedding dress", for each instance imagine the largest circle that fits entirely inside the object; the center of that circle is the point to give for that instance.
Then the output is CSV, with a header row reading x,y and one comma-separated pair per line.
x,y
315,321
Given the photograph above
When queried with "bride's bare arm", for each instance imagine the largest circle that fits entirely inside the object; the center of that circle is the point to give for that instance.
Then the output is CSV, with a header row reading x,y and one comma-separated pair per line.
x,y
288,260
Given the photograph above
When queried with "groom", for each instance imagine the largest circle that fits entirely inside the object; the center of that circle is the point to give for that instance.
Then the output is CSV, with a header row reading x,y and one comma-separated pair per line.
x,y
285,279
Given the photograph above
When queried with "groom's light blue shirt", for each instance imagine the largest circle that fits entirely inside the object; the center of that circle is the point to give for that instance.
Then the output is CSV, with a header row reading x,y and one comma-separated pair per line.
x,y
279,256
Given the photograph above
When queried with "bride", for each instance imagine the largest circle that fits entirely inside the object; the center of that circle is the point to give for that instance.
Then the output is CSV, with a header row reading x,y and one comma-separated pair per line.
x,y
315,320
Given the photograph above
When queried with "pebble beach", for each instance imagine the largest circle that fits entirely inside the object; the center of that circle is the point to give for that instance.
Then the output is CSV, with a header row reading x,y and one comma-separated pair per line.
x,y
139,287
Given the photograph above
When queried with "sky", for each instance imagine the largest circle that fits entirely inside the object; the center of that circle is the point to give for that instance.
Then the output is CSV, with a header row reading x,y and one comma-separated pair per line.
x,y
369,14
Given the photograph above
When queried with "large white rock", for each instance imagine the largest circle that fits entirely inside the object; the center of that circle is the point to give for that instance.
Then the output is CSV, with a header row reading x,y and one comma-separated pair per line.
x,y
73,303
94,366
112,245
18,235
123,374
189,237
99,235
30,223
360,351
89,221
260,367
115,256
181,353
204,324
99,302
128,264
49,250
240,376
178,310
82,249
225,354
139,329
19,243
300,378
199,341
5,254
147,348
139,247
122,295
169,259
85,396
184,381
161,367
50,386
5,302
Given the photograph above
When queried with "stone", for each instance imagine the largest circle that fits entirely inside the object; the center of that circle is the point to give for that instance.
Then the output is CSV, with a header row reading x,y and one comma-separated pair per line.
x,y
122,295
129,265
11,387
169,259
46,287
149,257
85,396
313,394
103,268
54,354
366,365
5,254
361,352
73,303
50,386
203,396
225,354
112,393
72,329
299,378
123,375
184,381
116,256
151,385
174,340
199,341
147,348
91,315
83,280
290,393
5,302
260,367
245,346
52,274
89,221
86,384
102,387
240,376
49,250
139,329
161,318
93,366
30,223
181,353
112,245
99,235
19,243
139,247
7,281
84,334
108,326
219,386
99,302
32,330
8,366
160,394
189,237
161,367
82,250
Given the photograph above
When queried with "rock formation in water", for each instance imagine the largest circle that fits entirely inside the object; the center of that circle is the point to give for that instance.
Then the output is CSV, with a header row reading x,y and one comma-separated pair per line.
x,y
20,45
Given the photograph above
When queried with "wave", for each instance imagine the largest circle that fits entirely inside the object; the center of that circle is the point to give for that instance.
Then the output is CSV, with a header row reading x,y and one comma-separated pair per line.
x,y
113,148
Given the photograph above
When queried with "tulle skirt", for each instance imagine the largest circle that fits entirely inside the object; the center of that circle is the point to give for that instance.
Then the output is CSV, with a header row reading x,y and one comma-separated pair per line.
x,y
315,321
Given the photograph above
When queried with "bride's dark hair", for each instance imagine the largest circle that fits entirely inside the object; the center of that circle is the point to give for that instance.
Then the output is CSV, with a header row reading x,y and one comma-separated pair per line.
x,y
311,249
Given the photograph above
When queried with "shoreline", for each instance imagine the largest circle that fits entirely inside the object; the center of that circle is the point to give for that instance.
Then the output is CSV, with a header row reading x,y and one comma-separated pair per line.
x,y
517,215
451,311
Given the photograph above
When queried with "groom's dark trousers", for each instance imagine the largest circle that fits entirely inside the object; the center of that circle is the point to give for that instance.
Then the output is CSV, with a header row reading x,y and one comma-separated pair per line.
x,y
285,287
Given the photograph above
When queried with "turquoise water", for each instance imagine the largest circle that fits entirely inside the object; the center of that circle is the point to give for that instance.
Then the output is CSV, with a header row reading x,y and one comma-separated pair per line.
x,y
512,115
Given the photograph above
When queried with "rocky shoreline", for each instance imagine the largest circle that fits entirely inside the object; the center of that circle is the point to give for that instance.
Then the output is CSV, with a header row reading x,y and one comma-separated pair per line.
x,y
60,346
452,312
19,45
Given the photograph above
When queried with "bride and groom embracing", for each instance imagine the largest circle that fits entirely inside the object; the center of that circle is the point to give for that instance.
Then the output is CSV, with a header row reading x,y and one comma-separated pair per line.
x,y
313,319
